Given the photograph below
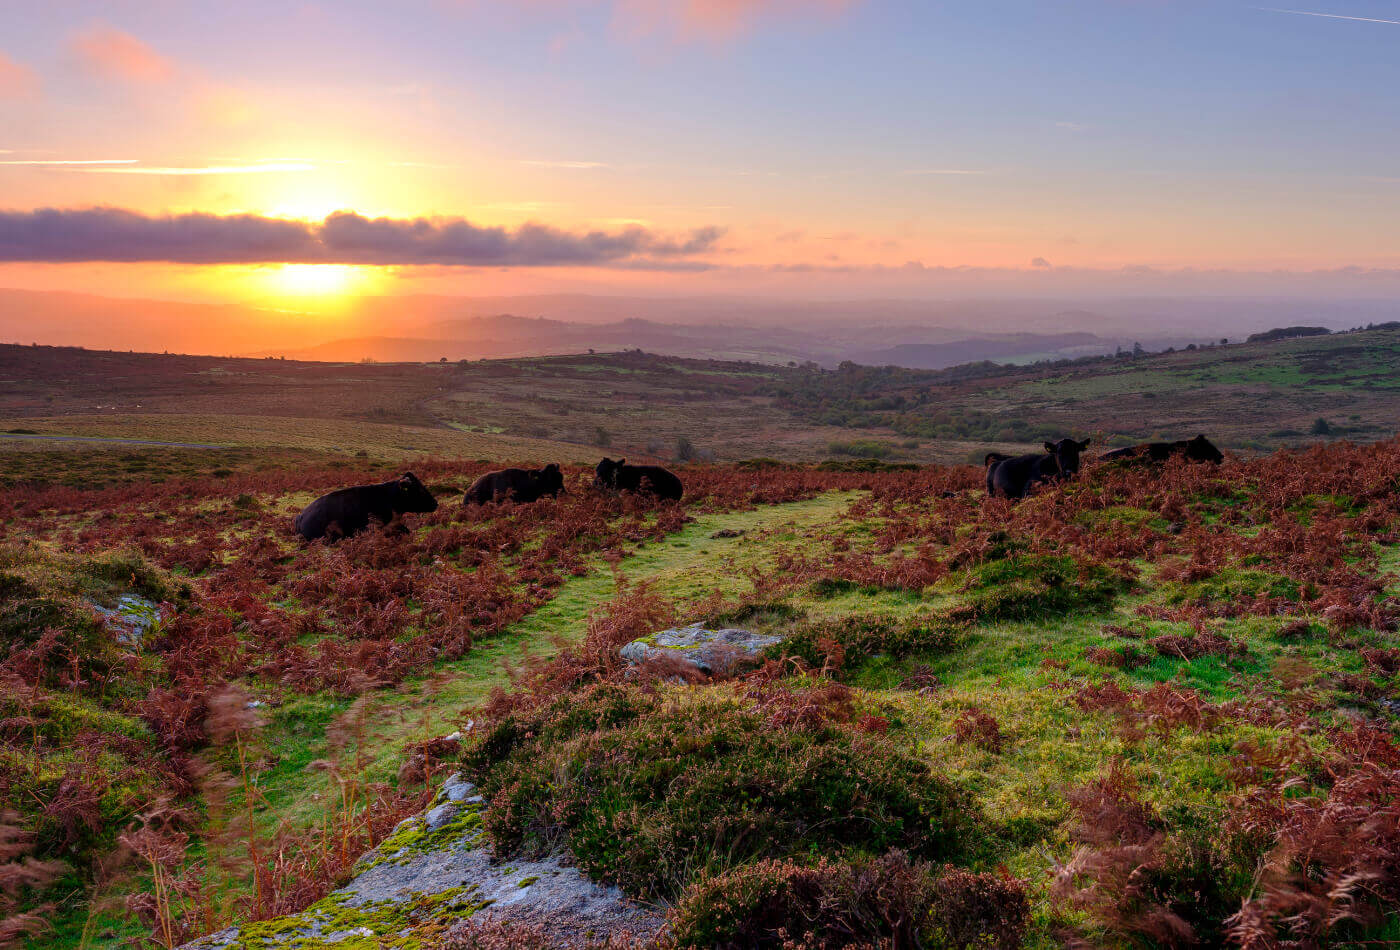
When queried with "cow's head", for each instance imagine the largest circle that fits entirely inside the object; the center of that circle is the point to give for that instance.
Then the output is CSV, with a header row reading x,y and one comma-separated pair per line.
x,y
606,472
412,495
1066,452
1201,449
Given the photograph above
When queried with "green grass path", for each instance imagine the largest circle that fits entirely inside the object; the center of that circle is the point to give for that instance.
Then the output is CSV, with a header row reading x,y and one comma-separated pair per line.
x,y
690,563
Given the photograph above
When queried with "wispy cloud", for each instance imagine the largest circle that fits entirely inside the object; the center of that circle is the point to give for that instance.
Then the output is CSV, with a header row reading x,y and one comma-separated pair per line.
x,y
945,171
1071,126
551,163
71,161
714,20
117,54
114,234
256,169
1330,16
17,81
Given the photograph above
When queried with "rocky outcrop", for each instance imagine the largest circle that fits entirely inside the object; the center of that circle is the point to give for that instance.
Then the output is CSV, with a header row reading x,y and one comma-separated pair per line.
x,y
709,651
437,868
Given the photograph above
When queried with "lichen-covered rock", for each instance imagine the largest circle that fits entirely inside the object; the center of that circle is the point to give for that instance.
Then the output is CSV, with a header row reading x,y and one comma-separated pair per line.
x,y
709,651
437,867
132,619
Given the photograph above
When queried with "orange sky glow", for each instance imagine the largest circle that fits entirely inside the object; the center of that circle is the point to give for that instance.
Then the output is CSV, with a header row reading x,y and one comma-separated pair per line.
x,y
820,146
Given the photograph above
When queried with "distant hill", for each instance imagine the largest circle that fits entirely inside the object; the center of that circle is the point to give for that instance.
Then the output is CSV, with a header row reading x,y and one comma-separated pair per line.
x,y
1014,348
427,328
1287,333
506,336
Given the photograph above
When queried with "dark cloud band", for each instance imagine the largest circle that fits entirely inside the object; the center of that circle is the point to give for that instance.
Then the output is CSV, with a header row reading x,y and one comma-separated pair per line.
x,y
112,234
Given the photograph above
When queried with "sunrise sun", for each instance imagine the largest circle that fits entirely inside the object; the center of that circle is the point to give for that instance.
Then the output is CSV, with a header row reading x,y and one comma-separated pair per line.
x,y
315,280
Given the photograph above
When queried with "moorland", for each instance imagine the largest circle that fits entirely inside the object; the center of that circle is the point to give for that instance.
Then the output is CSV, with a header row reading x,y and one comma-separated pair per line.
x,y
1153,705
1250,397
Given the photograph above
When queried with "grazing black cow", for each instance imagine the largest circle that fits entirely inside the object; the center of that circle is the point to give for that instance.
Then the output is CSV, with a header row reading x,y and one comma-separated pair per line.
x,y
1199,449
522,485
1013,477
348,511
619,476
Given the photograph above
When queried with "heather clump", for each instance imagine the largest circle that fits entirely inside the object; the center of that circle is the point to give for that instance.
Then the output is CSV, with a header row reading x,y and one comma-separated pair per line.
x,y
652,792
887,902
1037,587
858,637
820,904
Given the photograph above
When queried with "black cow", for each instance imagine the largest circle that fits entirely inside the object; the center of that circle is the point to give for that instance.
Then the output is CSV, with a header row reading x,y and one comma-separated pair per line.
x,y
1199,449
619,476
348,511
1013,477
522,485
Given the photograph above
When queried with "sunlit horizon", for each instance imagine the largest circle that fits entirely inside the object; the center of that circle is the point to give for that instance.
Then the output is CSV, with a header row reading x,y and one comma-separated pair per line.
x,y
805,148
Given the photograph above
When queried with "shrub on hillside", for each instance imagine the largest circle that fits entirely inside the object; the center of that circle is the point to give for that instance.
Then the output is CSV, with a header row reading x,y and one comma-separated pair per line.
x,y
860,636
652,793
1037,587
885,902
978,911
860,448
819,905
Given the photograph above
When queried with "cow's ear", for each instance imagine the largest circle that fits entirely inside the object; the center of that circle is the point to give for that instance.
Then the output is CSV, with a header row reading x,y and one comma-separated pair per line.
x,y
621,461
1049,446
1200,437
407,478
1085,443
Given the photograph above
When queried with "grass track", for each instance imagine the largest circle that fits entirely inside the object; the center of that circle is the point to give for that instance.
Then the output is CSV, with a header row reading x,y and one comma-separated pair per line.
x,y
688,564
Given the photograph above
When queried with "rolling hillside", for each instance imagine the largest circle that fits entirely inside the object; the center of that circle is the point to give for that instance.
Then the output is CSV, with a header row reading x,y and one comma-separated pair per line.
x,y
1248,397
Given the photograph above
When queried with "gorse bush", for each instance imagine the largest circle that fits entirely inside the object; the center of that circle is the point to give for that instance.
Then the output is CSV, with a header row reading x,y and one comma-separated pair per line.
x,y
652,793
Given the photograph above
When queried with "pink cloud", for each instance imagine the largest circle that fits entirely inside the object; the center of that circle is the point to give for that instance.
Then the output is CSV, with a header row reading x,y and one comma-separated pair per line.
x,y
714,20
116,53
683,20
17,81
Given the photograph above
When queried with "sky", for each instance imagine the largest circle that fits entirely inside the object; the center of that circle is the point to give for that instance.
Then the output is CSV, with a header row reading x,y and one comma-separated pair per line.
x,y
269,149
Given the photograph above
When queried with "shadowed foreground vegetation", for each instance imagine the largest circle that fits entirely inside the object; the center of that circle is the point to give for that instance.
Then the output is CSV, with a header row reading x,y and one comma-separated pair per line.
x,y
1156,706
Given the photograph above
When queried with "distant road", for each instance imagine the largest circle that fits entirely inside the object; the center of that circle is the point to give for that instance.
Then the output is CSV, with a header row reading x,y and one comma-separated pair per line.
x,y
25,437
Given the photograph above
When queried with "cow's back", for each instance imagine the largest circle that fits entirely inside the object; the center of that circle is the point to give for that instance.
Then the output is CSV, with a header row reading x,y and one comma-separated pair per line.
x,y
1007,477
517,484
1131,451
1013,477
349,509
663,483
482,490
